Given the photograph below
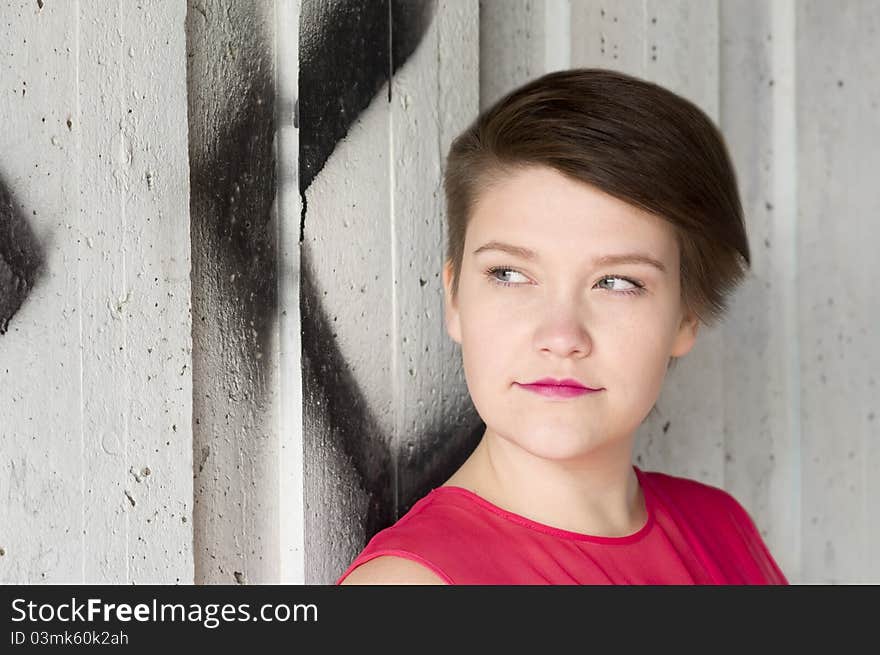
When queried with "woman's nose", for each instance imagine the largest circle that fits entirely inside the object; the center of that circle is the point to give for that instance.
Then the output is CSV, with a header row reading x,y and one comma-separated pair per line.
x,y
562,331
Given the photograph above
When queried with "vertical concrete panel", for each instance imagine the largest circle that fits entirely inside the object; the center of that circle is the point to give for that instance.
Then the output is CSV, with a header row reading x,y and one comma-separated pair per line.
x,y
291,520
41,458
434,96
147,294
346,289
99,487
838,145
512,45
761,399
231,77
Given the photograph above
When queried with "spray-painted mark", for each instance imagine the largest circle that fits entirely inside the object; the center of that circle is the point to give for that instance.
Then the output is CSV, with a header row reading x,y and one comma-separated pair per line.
x,y
21,259
347,52
232,191
344,61
231,119
354,427
232,194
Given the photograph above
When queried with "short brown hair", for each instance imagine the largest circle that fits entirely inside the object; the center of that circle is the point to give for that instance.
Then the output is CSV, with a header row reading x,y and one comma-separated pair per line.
x,y
628,137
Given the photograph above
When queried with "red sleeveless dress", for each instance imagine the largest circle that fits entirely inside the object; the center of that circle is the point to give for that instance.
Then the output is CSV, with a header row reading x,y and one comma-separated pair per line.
x,y
695,534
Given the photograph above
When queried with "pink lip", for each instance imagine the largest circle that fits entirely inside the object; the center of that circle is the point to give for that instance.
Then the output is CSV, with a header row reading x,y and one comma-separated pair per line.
x,y
552,388
567,382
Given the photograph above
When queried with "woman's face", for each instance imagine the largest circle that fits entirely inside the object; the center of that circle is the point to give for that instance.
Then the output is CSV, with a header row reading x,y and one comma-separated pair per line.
x,y
610,326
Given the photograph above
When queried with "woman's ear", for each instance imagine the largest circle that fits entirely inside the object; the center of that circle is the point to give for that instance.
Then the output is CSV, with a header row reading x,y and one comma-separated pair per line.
x,y
686,336
450,307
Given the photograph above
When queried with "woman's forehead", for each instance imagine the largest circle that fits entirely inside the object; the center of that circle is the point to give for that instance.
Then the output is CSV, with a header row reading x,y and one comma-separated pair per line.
x,y
538,237
538,202
612,256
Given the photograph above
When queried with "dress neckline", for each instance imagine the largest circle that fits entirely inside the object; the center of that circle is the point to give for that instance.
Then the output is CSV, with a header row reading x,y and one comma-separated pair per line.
x,y
559,532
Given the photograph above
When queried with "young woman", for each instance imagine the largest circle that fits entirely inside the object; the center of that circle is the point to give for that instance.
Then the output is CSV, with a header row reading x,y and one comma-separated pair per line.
x,y
594,223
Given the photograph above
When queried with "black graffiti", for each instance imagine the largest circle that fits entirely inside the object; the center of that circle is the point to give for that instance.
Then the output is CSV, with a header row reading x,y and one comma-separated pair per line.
x,y
348,50
345,59
231,119
21,259
350,423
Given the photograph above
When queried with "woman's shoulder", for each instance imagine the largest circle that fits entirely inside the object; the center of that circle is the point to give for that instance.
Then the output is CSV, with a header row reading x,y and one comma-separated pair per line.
x,y
435,533
392,570
687,489
704,502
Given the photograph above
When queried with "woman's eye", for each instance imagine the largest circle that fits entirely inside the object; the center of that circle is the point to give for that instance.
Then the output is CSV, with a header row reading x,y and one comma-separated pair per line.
x,y
632,287
498,273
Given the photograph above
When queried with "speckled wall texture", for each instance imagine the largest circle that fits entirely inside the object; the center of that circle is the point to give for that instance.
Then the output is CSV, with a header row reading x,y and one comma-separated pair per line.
x,y
95,362
222,349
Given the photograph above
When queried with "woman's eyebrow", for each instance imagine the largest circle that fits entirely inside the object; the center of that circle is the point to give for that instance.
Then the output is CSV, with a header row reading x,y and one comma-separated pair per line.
x,y
606,260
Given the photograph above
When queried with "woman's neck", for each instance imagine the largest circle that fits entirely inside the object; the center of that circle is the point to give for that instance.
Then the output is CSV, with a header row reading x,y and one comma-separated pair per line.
x,y
598,494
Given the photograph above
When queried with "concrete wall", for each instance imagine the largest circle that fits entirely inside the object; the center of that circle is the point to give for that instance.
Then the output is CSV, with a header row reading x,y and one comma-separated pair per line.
x,y
95,366
244,449
834,297
222,355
